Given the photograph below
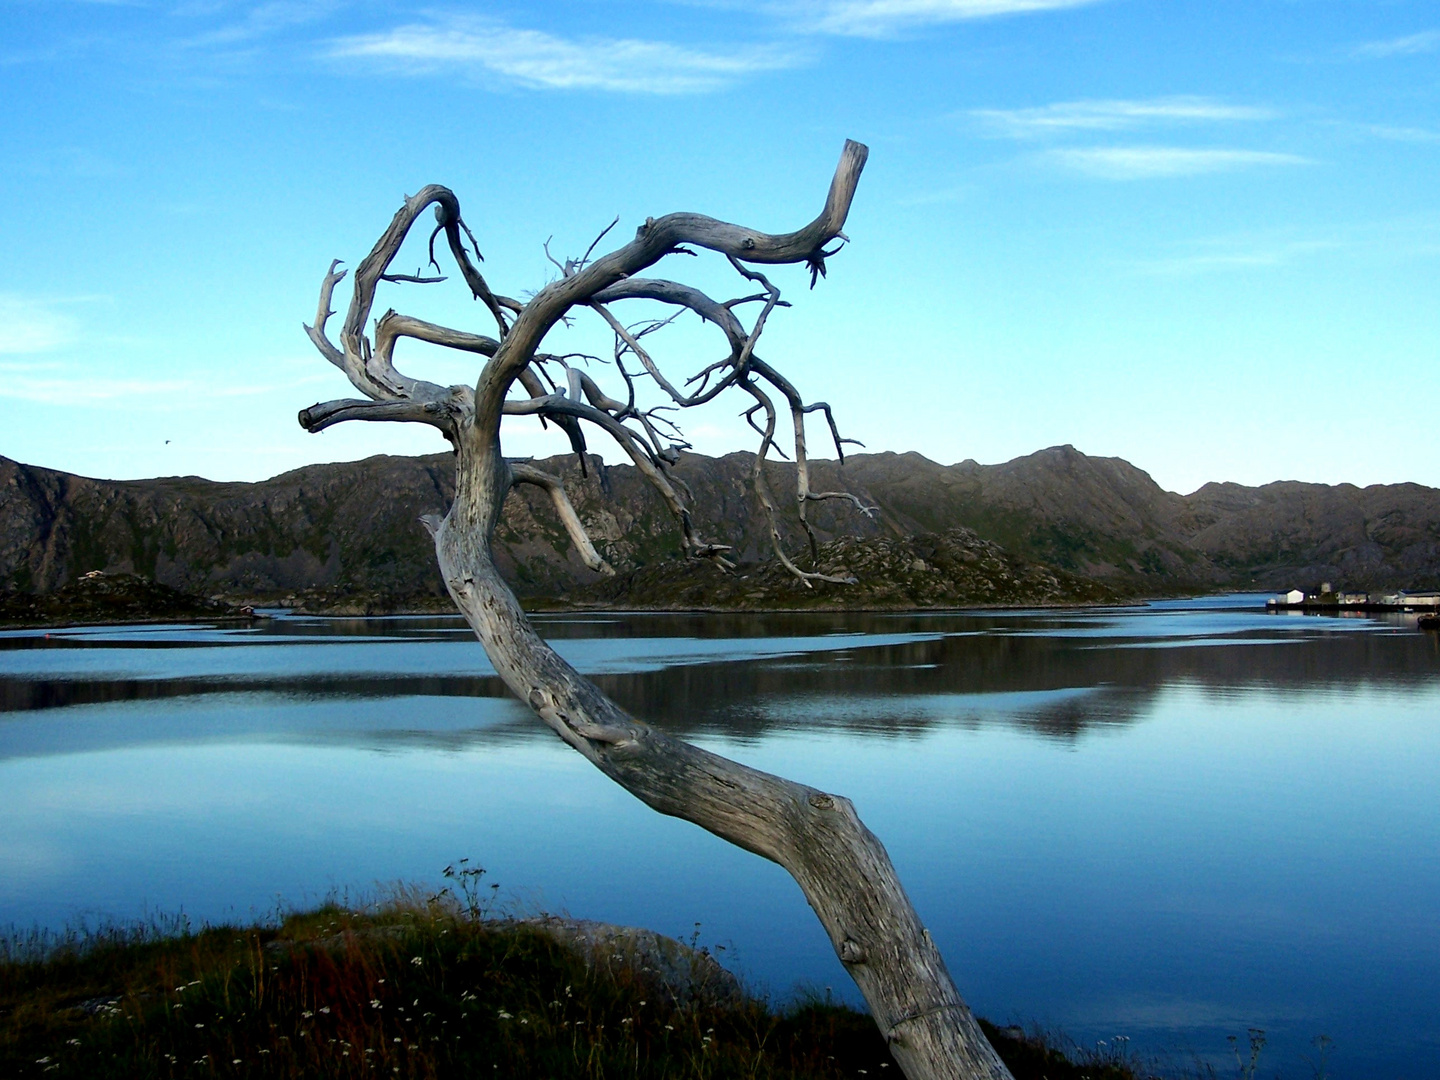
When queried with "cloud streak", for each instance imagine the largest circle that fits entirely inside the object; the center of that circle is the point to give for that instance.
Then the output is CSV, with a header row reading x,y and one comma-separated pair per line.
x,y
884,18
51,383
1412,45
483,48
1396,133
1162,162
30,326
1240,258
1113,115
60,390
262,20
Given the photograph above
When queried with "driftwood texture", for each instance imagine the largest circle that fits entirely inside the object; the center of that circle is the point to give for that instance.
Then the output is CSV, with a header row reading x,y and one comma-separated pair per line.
x,y
842,868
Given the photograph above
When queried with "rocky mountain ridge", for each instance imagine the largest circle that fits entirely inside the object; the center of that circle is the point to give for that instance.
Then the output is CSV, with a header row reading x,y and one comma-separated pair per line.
x,y
353,527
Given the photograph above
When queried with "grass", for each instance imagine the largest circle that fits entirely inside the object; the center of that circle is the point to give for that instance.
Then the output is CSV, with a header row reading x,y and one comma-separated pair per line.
x,y
417,987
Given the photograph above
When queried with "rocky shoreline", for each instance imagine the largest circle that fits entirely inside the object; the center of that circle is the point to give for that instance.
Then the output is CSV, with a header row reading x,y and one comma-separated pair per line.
x,y
952,570
103,599
949,571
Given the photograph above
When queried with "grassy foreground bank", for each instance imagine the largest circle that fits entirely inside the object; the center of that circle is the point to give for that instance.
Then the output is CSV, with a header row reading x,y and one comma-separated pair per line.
x,y
420,987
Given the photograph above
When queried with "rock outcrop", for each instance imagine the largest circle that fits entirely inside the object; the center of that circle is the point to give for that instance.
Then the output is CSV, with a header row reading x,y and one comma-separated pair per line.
x,y
111,598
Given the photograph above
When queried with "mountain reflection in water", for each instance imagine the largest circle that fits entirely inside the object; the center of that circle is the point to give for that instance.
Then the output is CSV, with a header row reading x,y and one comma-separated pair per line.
x,y
1172,822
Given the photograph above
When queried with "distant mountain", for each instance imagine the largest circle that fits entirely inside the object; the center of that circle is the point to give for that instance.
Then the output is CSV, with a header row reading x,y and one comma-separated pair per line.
x,y
1101,517
1383,536
352,527
324,524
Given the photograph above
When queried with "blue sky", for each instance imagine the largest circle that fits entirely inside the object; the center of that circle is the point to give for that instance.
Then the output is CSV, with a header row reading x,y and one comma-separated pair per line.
x,y
1203,236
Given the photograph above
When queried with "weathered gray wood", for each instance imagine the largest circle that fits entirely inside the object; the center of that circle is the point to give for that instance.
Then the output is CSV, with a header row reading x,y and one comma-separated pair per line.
x,y
842,868
522,472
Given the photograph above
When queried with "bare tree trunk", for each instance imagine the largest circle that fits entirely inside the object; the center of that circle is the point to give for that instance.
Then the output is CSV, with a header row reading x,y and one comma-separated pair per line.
x,y
842,868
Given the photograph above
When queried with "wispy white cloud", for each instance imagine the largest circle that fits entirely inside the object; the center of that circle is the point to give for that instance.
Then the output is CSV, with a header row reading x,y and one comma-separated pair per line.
x,y
1394,133
532,58
48,383
883,18
25,367
1156,162
261,20
1245,256
74,390
1112,115
1382,242
273,386
28,325
1425,42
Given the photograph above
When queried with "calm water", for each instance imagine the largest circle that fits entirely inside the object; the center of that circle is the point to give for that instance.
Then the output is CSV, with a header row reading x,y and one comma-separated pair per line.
x,y
1171,823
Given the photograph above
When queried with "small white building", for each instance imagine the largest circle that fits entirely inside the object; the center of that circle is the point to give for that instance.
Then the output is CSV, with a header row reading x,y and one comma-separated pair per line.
x,y
1294,596
1420,599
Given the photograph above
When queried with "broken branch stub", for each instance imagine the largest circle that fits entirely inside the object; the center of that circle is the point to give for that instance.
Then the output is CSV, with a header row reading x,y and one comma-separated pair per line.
x,y
839,864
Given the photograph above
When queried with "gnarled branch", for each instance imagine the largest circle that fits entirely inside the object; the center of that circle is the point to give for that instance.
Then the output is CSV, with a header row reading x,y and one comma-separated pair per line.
x,y
323,313
767,501
741,359
644,457
655,239
524,473
327,414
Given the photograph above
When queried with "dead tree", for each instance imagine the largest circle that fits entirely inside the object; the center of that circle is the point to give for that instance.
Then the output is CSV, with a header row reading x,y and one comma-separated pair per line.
x,y
842,868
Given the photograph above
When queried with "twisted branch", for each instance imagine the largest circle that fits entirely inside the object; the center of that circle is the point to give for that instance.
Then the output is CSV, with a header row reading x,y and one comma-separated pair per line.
x,y
524,473
762,490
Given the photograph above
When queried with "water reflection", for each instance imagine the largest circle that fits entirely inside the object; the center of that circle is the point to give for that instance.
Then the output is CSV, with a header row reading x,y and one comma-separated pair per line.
x,y
743,676
1172,822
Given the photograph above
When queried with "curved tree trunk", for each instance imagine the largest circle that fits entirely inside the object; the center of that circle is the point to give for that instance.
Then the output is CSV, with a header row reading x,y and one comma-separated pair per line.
x,y
842,869
839,864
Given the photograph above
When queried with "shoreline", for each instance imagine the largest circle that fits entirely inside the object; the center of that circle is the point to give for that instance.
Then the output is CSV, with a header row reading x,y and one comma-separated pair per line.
x,y
270,613
1336,609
